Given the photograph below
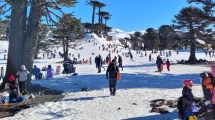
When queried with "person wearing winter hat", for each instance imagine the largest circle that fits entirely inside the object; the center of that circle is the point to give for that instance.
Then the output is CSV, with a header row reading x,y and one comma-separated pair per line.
x,y
187,98
111,74
13,85
23,75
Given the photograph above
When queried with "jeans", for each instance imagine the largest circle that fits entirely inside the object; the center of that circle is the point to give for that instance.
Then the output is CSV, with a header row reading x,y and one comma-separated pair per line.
x,y
112,85
120,65
22,86
187,114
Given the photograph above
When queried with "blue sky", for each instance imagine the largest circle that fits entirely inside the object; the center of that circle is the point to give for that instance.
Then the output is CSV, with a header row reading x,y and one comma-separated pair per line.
x,y
130,15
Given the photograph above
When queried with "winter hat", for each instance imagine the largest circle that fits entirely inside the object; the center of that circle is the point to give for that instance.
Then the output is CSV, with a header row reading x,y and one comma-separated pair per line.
x,y
23,67
11,77
213,70
188,83
113,61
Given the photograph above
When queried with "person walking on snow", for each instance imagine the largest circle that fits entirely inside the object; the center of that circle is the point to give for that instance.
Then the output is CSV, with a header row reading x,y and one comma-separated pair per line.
x,y
111,74
168,65
120,62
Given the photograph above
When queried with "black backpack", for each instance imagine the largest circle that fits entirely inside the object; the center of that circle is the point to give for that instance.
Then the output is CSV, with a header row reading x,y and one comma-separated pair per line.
x,y
180,108
112,70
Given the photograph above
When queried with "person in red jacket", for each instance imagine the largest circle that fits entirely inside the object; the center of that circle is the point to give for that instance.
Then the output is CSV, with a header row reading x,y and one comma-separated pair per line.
x,y
168,65
13,85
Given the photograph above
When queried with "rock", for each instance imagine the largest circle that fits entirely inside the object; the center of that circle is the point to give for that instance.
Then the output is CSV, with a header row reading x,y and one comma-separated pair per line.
x,y
134,103
85,89
161,110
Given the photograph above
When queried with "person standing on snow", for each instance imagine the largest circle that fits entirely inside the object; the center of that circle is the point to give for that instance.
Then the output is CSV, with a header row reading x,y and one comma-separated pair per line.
x,y
159,62
168,65
23,75
111,74
150,57
99,63
36,72
120,62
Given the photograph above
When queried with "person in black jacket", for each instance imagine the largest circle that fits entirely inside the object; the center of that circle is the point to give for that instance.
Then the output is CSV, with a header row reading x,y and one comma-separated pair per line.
x,y
120,62
111,73
159,62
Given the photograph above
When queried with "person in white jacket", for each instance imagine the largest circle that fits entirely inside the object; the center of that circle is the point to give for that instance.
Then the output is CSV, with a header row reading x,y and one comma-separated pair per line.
x,y
22,75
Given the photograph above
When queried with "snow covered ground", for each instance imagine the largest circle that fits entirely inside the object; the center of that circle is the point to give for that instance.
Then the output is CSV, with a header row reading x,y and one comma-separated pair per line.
x,y
139,84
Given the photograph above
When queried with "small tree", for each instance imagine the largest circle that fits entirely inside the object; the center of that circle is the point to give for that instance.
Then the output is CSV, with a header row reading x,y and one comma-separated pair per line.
x,y
69,29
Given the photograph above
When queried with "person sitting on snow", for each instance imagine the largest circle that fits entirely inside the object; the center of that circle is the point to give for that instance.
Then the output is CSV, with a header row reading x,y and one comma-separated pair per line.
x,y
13,85
188,99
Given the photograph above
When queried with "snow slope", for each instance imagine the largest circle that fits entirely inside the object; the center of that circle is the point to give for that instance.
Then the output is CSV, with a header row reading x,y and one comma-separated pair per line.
x,y
139,84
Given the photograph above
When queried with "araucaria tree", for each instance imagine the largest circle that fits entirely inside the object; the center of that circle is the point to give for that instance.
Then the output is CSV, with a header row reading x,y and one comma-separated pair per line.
x,y
151,39
69,29
192,21
24,29
166,36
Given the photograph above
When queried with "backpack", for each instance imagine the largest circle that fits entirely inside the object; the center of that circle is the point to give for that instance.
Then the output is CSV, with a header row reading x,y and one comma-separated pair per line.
x,y
192,117
180,108
113,70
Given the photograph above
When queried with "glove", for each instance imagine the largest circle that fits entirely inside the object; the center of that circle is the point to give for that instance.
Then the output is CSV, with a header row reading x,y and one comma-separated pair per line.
x,y
207,102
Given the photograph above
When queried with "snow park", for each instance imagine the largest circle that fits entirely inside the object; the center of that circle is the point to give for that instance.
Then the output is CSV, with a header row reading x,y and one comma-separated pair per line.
x,y
107,60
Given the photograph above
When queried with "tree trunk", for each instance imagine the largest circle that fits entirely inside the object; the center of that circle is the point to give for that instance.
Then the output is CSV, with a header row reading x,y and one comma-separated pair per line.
x,y
93,17
32,34
192,58
67,47
16,38
99,16
64,50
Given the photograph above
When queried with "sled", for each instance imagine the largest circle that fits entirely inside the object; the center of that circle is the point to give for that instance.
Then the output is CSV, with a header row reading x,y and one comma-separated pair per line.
x,y
118,76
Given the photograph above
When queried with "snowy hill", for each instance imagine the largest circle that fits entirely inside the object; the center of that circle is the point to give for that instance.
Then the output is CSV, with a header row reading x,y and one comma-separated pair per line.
x,y
139,85
117,33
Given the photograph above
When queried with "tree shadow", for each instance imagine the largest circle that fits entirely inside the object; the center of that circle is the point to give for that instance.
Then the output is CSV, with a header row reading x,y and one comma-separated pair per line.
x,y
169,116
84,98
128,81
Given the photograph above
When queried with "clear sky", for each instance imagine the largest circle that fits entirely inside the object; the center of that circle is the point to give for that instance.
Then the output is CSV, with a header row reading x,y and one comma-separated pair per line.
x,y
130,15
